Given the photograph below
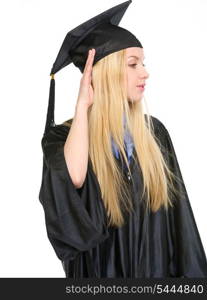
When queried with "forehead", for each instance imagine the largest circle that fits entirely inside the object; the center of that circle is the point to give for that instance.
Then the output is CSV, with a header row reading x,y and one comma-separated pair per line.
x,y
134,52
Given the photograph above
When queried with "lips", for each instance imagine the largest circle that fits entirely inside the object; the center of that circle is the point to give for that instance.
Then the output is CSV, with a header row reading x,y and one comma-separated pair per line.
x,y
141,85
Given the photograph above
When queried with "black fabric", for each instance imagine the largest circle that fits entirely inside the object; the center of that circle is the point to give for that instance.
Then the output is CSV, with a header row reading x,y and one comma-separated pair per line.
x,y
50,121
100,32
162,244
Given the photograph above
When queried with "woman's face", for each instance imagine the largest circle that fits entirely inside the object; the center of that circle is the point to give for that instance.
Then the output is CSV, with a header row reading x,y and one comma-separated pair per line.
x,y
136,73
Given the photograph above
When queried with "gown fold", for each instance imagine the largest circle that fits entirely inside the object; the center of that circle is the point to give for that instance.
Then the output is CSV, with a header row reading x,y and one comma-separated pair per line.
x,y
75,219
189,259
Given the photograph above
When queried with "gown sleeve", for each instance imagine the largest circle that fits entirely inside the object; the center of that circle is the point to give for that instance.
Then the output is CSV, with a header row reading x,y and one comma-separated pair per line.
x,y
75,219
188,259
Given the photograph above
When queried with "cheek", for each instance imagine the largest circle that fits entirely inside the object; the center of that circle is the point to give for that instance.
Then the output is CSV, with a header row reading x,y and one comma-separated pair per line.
x,y
131,86
132,77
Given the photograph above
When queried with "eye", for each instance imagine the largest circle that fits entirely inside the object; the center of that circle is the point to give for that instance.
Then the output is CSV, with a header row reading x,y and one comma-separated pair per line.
x,y
133,65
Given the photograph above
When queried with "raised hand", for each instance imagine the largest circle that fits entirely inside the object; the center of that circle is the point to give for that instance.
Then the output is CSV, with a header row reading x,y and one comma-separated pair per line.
x,y
85,95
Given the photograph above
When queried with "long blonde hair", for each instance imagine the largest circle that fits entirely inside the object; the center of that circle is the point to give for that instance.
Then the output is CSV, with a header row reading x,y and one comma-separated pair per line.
x,y
105,119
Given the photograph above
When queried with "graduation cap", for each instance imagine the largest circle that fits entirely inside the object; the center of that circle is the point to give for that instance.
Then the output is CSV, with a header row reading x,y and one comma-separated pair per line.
x,y
100,32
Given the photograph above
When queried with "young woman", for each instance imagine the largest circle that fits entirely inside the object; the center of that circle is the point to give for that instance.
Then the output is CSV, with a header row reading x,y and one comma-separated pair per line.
x,y
114,199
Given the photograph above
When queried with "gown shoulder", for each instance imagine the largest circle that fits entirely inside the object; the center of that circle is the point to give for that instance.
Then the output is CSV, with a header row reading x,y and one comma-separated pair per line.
x,y
75,218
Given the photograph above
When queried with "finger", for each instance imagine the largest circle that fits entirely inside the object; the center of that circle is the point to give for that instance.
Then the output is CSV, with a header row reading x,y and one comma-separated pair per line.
x,y
89,65
88,60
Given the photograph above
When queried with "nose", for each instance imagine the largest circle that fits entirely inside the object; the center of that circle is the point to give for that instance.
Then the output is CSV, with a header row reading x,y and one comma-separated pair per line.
x,y
144,74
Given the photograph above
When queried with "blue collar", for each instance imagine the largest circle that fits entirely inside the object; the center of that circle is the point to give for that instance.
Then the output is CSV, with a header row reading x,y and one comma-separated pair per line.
x,y
128,141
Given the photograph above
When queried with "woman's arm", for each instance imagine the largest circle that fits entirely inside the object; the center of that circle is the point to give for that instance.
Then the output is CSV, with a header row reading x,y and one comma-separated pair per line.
x,y
76,146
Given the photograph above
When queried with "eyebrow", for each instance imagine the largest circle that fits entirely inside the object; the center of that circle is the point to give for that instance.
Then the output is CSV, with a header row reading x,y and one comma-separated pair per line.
x,y
135,56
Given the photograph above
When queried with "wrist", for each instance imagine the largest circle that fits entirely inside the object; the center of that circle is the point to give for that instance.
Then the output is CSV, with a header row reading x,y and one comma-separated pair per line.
x,y
81,107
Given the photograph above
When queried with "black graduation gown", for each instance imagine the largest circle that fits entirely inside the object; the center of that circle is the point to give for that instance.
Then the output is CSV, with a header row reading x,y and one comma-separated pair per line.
x,y
157,245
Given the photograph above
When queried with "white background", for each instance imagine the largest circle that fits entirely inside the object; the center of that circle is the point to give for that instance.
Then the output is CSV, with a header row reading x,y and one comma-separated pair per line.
x,y
173,34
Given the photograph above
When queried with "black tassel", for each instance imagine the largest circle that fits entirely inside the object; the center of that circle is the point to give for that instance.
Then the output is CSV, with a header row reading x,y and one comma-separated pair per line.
x,y
50,122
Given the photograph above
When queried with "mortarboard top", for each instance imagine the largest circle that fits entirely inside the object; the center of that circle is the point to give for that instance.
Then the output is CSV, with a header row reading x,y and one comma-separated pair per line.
x,y
100,32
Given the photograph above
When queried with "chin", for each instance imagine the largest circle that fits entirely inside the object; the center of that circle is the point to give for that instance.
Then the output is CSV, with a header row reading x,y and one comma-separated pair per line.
x,y
135,100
